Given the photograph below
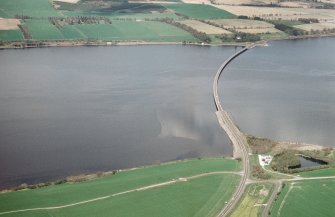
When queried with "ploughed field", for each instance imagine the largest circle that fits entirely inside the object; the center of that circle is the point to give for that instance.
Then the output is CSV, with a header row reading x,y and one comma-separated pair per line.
x,y
184,188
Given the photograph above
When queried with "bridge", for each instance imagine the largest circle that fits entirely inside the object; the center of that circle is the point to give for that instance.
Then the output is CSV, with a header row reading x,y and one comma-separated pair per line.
x,y
235,135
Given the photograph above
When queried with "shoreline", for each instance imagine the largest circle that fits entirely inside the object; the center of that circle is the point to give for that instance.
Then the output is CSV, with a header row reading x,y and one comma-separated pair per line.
x,y
72,179
86,43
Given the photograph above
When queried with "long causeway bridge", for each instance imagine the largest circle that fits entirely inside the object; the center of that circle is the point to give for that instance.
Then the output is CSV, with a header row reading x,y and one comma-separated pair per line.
x,y
235,135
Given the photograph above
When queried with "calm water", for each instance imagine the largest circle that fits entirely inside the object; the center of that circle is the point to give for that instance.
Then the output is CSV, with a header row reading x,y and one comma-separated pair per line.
x,y
285,91
68,111
307,162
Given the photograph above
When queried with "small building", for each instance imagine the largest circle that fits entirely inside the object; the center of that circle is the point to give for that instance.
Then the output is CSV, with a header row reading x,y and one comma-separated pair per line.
x,y
264,160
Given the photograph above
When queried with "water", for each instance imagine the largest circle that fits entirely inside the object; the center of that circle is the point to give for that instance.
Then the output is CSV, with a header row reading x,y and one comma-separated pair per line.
x,y
308,162
285,91
68,111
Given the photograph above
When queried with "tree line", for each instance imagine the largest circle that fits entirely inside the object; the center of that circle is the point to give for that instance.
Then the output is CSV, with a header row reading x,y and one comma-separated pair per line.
x,y
57,21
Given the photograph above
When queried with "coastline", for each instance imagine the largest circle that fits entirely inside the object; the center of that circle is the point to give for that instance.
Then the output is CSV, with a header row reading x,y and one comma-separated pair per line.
x,y
99,174
86,43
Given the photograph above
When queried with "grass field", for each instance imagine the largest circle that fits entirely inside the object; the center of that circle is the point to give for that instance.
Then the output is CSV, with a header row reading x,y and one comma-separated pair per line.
x,y
34,8
288,22
115,15
132,30
199,11
277,35
306,198
204,196
316,26
203,27
118,30
315,173
10,35
125,180
254,196
142,16
43,30
72,32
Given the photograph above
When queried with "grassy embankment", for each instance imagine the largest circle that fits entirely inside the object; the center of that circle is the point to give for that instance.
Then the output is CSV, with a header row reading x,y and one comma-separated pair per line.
x,y
306,198
197,196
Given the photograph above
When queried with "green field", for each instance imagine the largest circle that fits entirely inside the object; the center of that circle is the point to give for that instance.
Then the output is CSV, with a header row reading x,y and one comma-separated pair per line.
x,y
142,16
63,194
33,8
288,22
254,195
306,198
43,30
322,172
10,35
132,30
72,32
265,36
197,11
198,197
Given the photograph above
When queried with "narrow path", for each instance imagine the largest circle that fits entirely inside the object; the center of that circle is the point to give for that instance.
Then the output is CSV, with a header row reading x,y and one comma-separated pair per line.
x,y
268,205
173,181
278,184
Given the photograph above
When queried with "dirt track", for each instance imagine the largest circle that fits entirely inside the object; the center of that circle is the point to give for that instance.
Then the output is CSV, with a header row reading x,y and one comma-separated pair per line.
x,y
173,181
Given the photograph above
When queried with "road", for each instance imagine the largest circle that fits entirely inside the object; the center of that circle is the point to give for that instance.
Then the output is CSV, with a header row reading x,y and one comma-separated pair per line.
x,y
235,135
267,207
241,148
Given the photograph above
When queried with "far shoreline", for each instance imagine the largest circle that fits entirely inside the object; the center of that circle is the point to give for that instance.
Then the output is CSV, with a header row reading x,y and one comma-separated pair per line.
x,y
106,43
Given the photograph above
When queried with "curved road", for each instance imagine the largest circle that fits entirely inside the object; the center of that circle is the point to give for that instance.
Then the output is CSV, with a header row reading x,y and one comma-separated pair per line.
x,y
235,135
241,148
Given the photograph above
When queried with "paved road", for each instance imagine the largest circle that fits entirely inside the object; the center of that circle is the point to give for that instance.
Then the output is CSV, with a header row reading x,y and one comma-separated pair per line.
x,y
235,135
241,148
